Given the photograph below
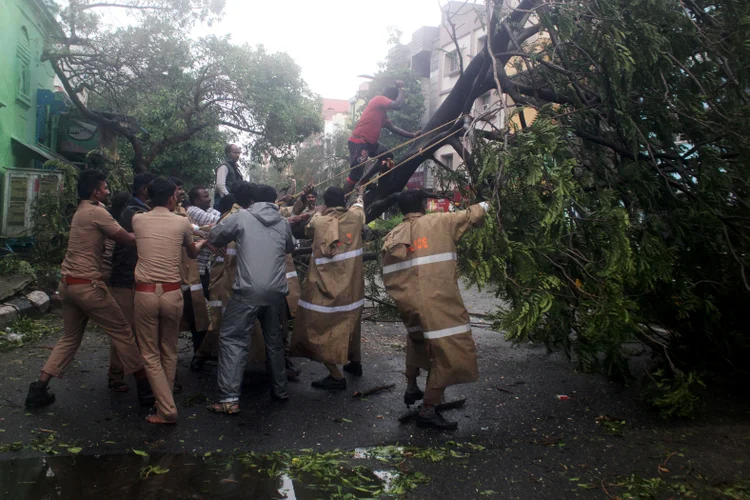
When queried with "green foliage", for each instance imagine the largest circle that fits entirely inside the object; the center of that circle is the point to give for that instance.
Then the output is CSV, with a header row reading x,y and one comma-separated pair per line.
x,y
621,212
674,394
30,330
167,88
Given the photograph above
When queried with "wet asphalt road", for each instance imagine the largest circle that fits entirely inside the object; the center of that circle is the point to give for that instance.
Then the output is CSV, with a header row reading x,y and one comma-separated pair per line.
x,y
537,446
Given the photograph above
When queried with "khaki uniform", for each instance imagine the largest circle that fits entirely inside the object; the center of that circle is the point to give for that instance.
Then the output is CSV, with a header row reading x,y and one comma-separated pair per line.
x,y
160,237
191,281
329,317
419,272
85,296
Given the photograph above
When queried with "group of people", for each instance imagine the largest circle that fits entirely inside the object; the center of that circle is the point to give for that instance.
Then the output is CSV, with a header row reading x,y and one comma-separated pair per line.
x,y
227,273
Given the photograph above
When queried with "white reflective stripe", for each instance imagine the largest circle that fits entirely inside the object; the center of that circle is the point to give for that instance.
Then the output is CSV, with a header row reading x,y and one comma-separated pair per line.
x,y
413,329
231,251
293,274
215,303
430,259
194,288
447,332
185,288
341,256
219,259
336,309
359,205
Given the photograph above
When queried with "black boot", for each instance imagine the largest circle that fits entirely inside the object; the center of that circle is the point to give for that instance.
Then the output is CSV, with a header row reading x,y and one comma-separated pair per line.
x,y
146,396
39,395
330,383
436,421
412,396
354,367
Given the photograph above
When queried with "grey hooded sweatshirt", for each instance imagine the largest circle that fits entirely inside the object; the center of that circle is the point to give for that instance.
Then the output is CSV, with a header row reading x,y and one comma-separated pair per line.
x,y
263,239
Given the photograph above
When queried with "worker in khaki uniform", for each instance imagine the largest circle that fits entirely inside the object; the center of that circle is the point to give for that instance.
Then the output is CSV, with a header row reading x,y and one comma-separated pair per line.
x,y
85,296
419,272
329,317
160,236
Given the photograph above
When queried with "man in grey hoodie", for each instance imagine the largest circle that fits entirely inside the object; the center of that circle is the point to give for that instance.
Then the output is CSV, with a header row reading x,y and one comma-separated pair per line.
x,y
263,239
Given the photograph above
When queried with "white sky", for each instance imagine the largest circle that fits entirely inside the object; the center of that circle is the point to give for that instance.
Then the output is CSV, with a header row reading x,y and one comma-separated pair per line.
x,y
333,41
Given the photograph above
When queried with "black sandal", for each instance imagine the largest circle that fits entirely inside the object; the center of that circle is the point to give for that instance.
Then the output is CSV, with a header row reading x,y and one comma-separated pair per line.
x,y
118,387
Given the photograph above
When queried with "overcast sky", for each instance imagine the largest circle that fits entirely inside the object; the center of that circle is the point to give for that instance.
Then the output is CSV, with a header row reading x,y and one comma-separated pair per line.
x,y
333,41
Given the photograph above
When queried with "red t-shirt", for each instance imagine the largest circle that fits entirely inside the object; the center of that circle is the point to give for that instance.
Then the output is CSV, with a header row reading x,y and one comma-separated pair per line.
x,y
372,120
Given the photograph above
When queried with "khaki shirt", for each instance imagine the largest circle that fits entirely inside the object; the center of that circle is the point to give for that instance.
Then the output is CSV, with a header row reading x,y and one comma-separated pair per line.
x,y
160,236
90,227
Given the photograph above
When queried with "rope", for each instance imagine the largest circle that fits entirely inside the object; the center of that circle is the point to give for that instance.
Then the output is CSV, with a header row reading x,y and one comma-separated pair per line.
x,y
418,153
399,146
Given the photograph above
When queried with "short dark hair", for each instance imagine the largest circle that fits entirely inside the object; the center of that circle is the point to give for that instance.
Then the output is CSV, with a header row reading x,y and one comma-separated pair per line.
x,y
88,180
193,194
142,179
245,192
225,203
266,193
177,181
391,93
410,201
228,148
334,197
160,190
118,204
313,192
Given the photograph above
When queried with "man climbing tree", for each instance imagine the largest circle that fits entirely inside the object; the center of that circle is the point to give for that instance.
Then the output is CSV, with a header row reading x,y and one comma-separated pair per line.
x,y
363,143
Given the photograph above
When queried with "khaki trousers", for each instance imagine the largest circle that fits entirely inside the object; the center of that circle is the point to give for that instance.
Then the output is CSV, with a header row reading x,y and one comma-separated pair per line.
x,y
157,326
124,298
431,396
92,301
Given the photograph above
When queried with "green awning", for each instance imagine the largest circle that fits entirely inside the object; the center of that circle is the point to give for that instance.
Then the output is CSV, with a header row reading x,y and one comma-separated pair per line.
x,y
39,150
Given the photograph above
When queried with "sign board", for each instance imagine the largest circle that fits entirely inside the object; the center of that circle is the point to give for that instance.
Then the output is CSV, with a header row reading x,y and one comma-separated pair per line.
x,y
21,188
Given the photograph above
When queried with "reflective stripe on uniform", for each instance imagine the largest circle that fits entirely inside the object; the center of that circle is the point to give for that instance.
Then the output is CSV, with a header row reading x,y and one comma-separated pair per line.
x,y
185,288
358,205
214,303
219,259
293,274
413,329
336,309
341,256
231,251
430,259
447,332
197,287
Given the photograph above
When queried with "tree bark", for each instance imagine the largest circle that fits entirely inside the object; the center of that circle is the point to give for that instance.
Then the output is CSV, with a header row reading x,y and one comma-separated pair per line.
x,y
472,84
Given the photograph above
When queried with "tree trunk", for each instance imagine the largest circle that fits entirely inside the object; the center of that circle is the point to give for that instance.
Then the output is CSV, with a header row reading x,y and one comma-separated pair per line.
x,y
474,82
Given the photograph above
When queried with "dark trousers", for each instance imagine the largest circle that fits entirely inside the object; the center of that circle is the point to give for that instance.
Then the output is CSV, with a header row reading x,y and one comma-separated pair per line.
x,y
234,344
189,314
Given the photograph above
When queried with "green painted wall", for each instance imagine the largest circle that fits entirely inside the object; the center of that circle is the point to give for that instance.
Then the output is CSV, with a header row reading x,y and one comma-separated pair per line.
x,y
18,115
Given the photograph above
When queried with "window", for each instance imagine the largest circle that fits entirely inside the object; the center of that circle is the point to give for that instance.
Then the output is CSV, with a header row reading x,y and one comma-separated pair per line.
x,y
451,62
23,63
447,160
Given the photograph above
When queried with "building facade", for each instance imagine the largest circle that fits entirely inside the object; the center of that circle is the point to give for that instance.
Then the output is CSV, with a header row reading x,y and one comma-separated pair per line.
x,y
29,110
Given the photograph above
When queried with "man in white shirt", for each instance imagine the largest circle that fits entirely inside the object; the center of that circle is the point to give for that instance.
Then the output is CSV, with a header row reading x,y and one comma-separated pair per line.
x,y
228,172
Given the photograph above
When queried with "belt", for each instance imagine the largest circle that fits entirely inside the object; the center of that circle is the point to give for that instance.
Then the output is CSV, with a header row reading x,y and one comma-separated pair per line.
x,y
151,287
69,280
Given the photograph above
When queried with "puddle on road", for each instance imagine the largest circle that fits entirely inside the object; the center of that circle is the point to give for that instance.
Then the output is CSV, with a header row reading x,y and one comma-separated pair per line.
x,y
115,477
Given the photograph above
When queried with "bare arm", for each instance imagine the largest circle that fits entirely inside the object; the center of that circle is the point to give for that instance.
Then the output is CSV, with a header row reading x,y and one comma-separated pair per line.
x,y
193,248
400,131
399,102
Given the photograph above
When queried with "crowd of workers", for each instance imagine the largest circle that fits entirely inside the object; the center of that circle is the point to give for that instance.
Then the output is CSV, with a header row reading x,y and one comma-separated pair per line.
x,y
227,274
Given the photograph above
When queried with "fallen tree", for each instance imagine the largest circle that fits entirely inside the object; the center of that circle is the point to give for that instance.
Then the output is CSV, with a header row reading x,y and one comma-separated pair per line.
x,y
618,182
